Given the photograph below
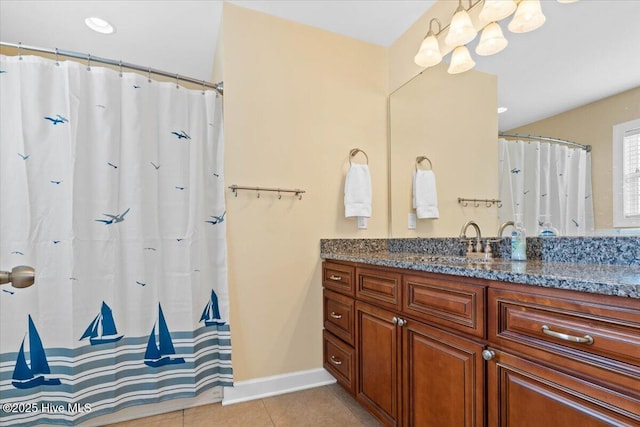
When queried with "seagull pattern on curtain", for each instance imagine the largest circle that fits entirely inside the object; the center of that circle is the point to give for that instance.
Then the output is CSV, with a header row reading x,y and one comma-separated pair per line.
x,y
130,304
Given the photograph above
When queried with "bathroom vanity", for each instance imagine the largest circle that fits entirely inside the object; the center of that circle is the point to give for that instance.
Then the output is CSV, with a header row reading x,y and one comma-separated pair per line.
x,y
428,340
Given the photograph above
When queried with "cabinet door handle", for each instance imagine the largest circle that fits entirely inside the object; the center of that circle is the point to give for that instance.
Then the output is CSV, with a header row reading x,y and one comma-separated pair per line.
x,y
488,354
335,316
395,320
336,278
587,339
336,361
401,322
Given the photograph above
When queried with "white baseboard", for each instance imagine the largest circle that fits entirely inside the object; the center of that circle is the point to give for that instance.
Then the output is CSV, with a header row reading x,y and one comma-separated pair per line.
x,y
259,388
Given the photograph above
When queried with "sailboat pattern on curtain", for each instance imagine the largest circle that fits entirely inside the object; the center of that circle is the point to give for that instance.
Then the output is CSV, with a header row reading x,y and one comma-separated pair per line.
x,y
124,177
102,329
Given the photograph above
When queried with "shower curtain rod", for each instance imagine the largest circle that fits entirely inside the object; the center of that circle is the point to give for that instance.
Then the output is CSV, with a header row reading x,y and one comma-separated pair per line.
x,y
218,87
587,148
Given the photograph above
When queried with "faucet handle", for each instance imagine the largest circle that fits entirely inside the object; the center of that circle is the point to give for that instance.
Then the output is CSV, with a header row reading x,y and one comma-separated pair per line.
x,y
469,246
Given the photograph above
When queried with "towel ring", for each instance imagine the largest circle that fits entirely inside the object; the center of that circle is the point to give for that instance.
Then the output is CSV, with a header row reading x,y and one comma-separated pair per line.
x,y
355,151
421,159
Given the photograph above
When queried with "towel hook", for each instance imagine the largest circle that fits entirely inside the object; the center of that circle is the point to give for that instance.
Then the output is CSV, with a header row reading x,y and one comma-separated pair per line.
x,y
499,205
421,159
489,203
355,151
279,195
299,194
476,204
257,193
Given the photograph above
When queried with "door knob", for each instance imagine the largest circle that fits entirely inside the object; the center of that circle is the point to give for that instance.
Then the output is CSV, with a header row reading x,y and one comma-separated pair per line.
x,y
21,276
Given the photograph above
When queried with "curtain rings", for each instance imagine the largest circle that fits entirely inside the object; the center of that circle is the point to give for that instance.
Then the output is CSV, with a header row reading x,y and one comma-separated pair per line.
x,y
88,62
177,81
20,51
57,61
203,87
121,68
149,75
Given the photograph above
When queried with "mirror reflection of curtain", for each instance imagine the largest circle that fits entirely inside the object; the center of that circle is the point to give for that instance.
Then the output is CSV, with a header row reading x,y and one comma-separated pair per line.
x,y
112,188
539,179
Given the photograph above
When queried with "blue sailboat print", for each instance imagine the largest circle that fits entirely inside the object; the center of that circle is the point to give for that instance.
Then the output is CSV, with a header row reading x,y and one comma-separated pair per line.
x,y
25,376
102,329
211,312
159,354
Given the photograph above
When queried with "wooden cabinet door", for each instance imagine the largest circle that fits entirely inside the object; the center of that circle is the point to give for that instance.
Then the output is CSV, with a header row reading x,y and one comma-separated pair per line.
x,y
525,394
443,378
377,371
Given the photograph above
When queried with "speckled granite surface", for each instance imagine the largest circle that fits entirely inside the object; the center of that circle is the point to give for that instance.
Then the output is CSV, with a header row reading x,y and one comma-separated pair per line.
x,y
614,278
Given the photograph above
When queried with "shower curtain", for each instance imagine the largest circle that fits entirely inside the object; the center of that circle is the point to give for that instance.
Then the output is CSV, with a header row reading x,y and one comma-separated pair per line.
x,y
539,179
111,187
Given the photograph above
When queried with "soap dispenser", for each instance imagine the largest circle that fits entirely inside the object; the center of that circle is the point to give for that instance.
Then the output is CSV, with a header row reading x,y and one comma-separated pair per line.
x,y
518,240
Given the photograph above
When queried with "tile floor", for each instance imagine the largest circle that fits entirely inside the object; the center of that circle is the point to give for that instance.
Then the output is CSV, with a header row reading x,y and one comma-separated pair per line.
x,y
322,406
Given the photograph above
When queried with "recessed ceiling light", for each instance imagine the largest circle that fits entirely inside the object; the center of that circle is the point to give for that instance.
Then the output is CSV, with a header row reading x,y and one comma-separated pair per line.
x,y
99,25
502,110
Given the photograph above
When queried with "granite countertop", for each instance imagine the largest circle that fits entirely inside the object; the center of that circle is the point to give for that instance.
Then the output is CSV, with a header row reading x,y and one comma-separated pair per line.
x,y
607,279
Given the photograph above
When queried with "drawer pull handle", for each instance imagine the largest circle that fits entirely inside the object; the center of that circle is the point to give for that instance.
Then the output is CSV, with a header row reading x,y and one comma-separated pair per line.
x,y
336,278
335,316
336,361
587,339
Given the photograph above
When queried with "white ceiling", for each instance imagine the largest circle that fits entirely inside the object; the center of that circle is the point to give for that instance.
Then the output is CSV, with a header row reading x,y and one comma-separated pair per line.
x,y
585,50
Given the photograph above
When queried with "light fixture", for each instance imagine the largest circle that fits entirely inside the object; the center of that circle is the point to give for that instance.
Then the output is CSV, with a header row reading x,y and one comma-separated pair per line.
x,y
495,10
461,30
461,60
567,1
492,40
99,25
429,53
502,110
528,17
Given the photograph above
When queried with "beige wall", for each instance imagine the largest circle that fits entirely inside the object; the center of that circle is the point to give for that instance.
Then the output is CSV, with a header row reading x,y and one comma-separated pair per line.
x,y
297,99
452,120
592,124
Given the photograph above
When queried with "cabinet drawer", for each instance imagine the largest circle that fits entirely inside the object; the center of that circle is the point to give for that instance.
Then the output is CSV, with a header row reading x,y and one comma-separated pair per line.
x,y
338,278
456,304
338,315
582,328
339,360
381,287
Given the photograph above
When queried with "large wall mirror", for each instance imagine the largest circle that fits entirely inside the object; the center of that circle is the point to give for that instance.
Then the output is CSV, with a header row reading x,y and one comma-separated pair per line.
x,y
573,79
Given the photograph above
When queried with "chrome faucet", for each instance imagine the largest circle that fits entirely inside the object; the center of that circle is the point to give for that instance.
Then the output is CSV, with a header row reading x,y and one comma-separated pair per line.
x,y
463,235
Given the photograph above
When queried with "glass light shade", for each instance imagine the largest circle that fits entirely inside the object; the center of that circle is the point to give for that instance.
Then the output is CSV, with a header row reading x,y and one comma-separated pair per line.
x,y
461,61
492,40
567,1
429,53
461,30
528,17
495,10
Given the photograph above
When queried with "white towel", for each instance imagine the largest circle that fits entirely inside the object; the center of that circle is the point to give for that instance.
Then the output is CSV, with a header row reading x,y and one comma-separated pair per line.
x,y
357,191
425,196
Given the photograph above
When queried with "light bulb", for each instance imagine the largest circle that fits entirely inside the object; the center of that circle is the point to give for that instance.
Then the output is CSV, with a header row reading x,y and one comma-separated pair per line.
x,y
429,53
495,10
461,60
492,40
461,30
528,17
